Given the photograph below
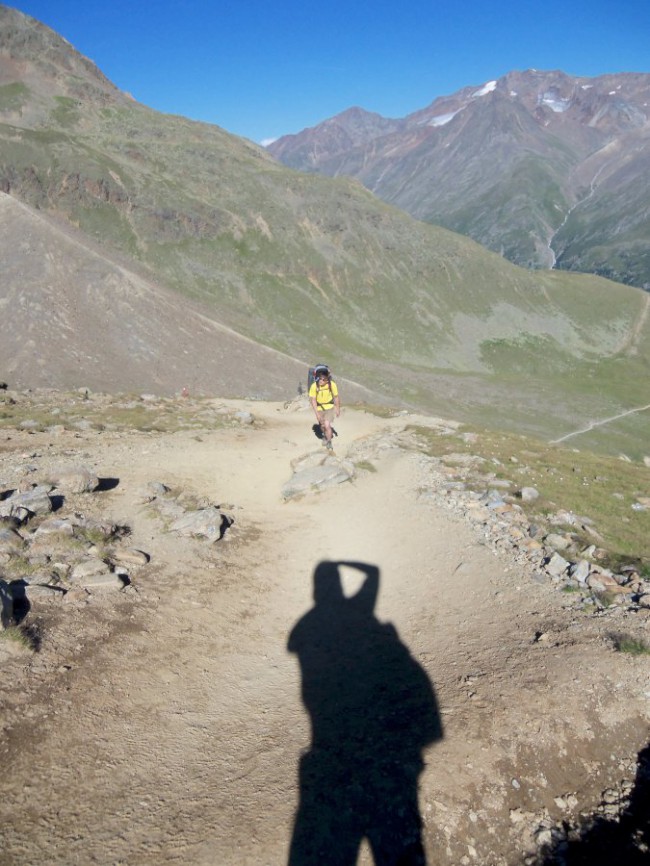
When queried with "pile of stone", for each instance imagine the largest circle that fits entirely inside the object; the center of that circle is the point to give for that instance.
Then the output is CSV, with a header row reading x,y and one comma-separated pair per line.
x,y
552,548
186,517
51,550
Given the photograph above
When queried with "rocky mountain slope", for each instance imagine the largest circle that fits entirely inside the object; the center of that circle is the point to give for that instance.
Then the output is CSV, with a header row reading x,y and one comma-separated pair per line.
x,y
123,227
549,170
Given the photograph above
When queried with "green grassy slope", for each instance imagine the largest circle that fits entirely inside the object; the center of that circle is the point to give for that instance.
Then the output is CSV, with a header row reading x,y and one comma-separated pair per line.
x,y
320,268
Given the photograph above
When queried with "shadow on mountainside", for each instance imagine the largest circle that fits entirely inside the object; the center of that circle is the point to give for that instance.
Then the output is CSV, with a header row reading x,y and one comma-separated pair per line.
x,y
602,841
372,710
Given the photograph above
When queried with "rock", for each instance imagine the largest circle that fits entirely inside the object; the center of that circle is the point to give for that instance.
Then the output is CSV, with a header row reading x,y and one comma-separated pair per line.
x,y
6,605
557,542
153,490
557,565
206,522
244,417
107,580
604,583
580,571
329,473
89,568
646,461
10,539
75,479
31,502
130,556
55,526
33,591
529,494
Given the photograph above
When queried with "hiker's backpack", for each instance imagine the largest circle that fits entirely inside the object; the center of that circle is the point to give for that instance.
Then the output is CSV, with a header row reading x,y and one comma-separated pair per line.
x,y
314,372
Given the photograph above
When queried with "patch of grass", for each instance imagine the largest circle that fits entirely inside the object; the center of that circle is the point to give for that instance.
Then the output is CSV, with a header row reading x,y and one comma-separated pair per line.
x,y
13,96
67,112
605,598
160,416
376,410
20,566
18,638
632,645
366,466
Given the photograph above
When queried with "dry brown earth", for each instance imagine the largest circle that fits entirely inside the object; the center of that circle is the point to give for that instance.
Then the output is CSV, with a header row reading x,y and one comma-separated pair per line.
x,y
164,725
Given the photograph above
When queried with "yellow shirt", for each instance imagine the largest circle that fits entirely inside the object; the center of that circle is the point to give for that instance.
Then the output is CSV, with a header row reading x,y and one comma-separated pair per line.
x,y
325,395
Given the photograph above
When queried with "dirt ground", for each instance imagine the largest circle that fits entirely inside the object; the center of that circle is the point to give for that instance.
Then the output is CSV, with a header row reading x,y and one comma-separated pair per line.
x,y
171,724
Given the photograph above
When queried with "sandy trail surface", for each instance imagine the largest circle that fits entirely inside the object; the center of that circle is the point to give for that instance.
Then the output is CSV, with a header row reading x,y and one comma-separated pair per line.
x,y
169,727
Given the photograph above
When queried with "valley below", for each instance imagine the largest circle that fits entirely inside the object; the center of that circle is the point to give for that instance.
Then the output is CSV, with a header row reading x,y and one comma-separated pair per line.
x,y
374,614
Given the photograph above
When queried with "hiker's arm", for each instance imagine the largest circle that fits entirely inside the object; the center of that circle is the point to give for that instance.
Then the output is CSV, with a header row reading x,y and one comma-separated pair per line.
x,y
337,405
314,405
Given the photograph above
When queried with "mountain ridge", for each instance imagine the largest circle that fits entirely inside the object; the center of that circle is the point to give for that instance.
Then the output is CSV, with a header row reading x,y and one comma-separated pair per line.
x,y
529,160
303,265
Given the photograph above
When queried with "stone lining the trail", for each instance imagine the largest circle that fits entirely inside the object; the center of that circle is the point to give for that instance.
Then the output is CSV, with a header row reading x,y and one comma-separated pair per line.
x,y
541,550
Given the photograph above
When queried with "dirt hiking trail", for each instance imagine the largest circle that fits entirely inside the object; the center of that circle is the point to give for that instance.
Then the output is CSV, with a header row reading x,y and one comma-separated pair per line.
x,y
168,727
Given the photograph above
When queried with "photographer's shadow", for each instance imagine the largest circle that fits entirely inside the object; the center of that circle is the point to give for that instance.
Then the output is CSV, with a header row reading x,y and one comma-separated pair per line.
x,y
372,710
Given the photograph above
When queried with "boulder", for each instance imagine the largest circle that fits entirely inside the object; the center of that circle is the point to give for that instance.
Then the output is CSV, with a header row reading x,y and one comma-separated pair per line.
x,y
557,565
130,556
29,503
206,523
105,580
580,571
87,569
328,473
75,479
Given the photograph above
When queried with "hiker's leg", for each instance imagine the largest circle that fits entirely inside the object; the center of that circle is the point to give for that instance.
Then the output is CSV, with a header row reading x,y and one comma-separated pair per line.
x,y
326,424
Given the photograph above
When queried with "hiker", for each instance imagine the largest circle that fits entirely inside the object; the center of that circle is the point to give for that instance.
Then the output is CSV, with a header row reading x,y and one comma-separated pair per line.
x,y
324,399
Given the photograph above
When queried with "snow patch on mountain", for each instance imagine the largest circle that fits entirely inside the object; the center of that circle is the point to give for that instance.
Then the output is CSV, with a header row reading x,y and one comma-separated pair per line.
x,y
487,88
443,119
555,103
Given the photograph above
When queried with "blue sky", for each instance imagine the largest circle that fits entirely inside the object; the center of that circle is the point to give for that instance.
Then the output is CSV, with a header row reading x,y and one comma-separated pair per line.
x,y
262,69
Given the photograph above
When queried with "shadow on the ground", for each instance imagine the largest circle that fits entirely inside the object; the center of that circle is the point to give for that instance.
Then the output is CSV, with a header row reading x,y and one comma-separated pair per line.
x,y
107,484
603,841
318,431
372,710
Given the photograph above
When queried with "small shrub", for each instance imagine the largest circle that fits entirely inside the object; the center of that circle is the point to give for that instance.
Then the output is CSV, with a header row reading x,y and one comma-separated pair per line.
x,y
18,638
605,598
632,645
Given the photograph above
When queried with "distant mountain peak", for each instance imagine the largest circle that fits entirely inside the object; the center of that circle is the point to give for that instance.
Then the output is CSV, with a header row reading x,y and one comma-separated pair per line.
x,y
524,164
